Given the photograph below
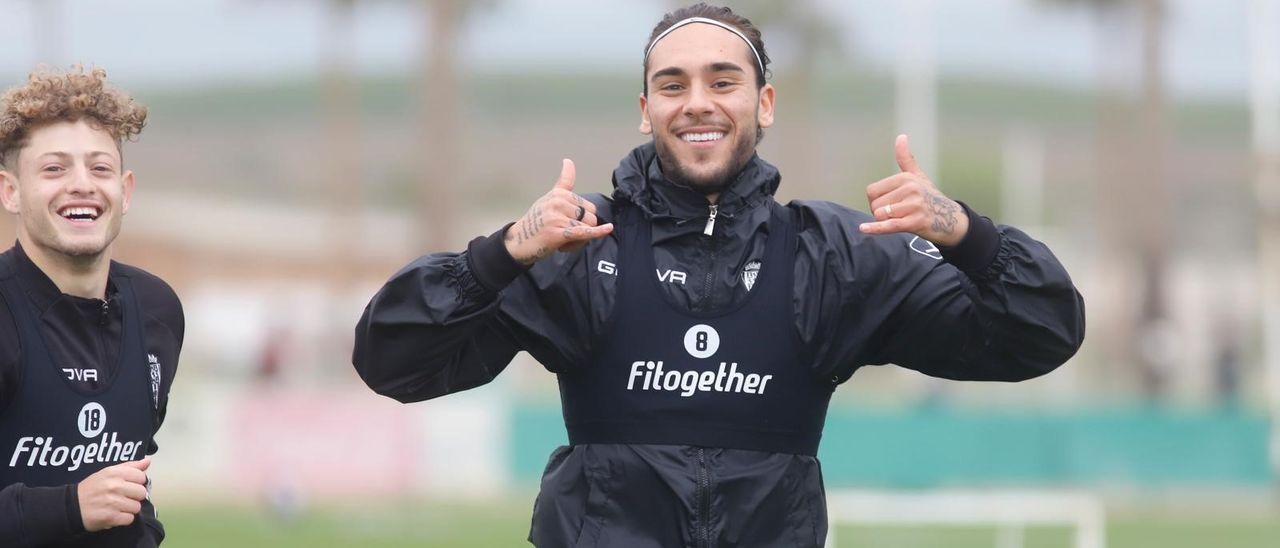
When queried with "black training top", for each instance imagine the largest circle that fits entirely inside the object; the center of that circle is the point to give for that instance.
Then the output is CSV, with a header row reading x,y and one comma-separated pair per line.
x,y
55,432
664,375
85,339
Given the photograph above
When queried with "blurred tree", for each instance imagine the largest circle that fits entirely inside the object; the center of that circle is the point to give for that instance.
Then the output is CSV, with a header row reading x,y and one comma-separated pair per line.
x,y
1134,192
341,100
441,133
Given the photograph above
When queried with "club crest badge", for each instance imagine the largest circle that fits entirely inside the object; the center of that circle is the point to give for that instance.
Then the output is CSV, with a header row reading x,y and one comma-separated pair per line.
x,y
750,273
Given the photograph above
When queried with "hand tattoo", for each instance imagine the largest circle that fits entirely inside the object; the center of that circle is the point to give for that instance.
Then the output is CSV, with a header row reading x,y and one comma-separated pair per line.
x,y
569,230
526,229
944,213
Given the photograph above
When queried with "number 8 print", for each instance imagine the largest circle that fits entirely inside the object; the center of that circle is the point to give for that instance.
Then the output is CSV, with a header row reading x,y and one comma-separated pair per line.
x,y
701,341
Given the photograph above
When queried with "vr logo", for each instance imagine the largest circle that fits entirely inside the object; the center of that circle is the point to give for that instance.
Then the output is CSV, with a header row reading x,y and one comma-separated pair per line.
x,y
673,276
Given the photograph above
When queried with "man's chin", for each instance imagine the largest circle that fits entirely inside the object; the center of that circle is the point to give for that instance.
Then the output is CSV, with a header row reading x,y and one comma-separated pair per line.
x,y
703,177
80,248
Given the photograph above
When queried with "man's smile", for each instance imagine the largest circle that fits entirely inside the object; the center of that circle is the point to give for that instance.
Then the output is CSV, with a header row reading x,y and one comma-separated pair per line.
x,y
80,214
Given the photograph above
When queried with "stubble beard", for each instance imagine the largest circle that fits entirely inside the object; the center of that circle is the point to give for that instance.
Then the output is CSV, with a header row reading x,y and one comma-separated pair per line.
x,y
80,251
718,180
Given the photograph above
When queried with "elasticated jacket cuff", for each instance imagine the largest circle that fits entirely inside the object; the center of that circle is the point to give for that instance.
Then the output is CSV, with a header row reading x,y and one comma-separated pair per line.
x,y
977,250
491,263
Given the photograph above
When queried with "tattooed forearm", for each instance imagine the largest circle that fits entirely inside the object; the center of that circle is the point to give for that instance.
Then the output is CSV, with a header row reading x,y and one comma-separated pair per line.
x,y
944,213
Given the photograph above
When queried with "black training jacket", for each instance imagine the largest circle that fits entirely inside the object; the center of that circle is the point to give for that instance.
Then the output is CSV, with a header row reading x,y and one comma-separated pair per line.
x,y
996,307
83,334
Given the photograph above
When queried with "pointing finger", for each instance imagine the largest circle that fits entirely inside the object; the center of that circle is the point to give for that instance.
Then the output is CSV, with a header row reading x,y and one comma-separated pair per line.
x,y
888,226
583,232
906,160
567,175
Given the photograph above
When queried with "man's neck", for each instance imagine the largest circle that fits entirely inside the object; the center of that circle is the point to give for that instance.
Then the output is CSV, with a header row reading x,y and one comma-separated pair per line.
x,y
84,277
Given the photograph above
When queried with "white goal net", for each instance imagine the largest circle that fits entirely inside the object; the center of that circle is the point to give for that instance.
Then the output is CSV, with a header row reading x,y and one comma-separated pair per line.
x,y
1009,512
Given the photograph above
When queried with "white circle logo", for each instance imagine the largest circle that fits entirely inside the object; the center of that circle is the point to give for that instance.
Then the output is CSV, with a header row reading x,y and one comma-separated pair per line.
x,y
93,418
701,341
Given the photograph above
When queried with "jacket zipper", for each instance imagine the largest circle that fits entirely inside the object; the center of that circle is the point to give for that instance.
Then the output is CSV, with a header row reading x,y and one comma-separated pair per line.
x,y
704,500
709,231
711,220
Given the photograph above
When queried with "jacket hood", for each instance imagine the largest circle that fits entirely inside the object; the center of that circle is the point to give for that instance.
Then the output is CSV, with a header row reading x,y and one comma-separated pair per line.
x,y
638,179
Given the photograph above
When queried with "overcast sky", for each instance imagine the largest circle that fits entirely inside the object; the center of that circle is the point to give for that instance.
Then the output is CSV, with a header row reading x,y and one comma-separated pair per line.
x,y
164,43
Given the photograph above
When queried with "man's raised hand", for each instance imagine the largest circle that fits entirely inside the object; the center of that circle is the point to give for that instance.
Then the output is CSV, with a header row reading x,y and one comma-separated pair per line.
x,y
910,202
559,221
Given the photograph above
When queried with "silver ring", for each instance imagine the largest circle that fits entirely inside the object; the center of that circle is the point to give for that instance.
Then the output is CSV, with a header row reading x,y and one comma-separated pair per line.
x,y
888,210
582,212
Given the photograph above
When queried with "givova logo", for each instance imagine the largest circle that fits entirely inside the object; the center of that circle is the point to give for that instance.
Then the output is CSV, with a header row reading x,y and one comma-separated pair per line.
x,y
91,421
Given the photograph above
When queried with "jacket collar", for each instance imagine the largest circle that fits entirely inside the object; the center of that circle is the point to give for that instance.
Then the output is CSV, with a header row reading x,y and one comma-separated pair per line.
x,y
639,180
38,286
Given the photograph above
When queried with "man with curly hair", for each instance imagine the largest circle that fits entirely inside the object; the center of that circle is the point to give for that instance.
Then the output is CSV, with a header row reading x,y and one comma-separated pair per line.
x,y
88,346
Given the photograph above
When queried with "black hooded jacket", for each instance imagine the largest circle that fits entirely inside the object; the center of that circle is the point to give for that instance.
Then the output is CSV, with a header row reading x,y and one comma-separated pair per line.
x,y
996,307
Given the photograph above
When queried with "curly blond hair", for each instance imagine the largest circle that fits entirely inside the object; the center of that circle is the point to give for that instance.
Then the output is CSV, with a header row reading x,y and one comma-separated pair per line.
x,y
77,94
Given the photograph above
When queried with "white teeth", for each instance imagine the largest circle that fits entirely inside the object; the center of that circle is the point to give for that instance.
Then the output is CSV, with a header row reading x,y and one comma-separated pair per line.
x,y
702,137
89,213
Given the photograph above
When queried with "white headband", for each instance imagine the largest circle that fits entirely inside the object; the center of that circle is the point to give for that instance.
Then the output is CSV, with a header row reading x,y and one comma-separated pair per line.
x,y
691,20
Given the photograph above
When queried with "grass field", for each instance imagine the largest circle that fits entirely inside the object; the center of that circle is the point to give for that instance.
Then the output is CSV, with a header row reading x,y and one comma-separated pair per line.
x,y
506,524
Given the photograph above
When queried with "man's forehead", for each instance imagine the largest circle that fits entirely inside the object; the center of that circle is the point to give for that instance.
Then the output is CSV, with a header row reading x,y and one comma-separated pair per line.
x,y
698,45
79,137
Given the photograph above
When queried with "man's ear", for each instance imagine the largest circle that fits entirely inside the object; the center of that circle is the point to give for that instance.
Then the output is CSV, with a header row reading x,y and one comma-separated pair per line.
x,y
9,192
645,127
764,115
127,182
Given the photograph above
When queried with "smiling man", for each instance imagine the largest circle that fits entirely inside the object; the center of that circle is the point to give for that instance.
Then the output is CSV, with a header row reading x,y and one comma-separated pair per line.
x,y
698,327
88,346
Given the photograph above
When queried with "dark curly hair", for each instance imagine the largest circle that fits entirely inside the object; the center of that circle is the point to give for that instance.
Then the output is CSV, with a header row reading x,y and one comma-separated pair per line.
x,y
715,13
53,96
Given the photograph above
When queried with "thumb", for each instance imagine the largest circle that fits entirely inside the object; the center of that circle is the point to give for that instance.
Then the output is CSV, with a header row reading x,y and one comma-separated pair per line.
x,y
567,174
906,160
140,464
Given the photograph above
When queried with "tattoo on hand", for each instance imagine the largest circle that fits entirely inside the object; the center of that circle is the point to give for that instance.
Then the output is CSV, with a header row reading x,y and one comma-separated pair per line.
x,y
569,230
526,229
529,225
944,213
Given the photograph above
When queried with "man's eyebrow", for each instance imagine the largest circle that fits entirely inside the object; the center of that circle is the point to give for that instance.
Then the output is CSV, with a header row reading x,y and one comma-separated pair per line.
x,y
725,66
669,71
720,66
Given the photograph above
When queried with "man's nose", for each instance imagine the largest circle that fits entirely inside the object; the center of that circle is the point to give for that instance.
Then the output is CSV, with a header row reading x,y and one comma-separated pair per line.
x,y
699,103
80,181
